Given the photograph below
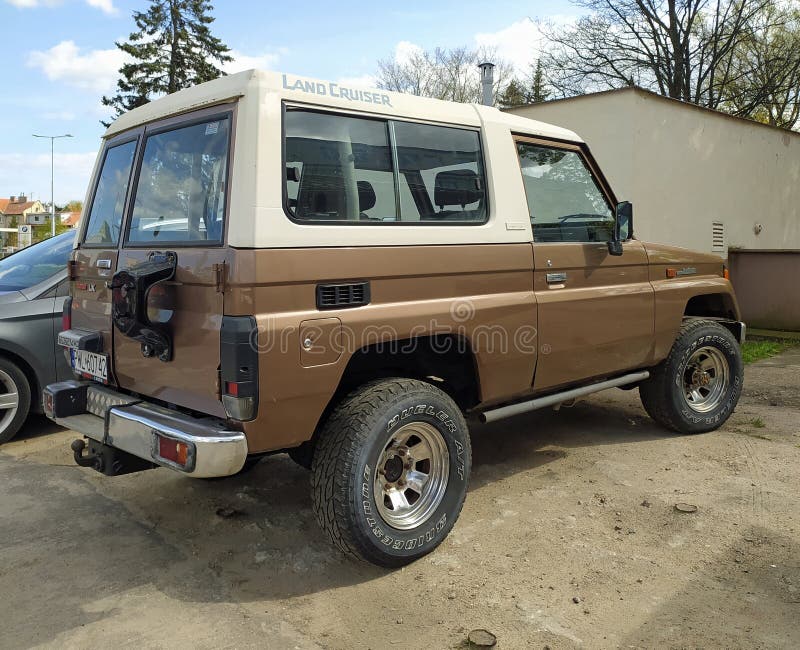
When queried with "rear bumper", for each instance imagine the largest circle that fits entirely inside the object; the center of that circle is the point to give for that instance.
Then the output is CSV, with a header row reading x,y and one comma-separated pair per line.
x,y
136,427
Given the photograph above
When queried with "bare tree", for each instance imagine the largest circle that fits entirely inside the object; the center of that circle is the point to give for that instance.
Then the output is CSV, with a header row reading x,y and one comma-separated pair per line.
x,y
685,49
450,74
767,66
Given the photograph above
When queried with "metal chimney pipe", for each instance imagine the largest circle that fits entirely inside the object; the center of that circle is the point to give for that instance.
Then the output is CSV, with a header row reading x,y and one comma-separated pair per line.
x,y
487,83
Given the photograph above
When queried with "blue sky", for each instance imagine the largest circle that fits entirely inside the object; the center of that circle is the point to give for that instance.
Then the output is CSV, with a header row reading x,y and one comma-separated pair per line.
x,y
59,59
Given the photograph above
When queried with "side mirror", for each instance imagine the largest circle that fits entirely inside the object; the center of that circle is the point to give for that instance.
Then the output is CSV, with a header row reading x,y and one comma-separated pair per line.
x,y
623,227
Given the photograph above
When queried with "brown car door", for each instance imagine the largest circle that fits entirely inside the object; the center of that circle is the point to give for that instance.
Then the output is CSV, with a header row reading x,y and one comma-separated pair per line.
x,y
596,310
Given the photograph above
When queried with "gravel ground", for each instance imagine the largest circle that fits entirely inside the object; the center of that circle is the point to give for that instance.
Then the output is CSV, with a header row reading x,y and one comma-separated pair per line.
x,y
569,538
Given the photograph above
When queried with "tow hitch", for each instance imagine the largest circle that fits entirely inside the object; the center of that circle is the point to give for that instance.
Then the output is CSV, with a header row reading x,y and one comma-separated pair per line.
x,y
107,460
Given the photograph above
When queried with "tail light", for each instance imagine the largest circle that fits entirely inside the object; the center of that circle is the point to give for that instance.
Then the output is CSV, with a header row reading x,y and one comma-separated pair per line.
x,y
176,452
239,367
726,272
66,315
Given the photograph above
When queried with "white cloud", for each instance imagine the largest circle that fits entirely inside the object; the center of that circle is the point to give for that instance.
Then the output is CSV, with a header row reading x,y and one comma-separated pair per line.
x,y
241,61
30,4
364,81
30,173
63,116
404,50
95,70
519,43
106,6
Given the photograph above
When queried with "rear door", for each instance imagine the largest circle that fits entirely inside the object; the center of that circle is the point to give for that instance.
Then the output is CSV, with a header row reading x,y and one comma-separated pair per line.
x,y
95,257
178,206
161,193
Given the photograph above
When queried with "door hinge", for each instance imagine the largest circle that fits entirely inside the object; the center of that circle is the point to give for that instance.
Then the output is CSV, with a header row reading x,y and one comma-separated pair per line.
x,y
220,273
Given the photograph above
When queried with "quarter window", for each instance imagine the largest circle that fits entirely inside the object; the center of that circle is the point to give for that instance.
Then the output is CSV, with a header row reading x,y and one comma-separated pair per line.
x,y
443,170
564,202
348,169
105,216
338,168
180,193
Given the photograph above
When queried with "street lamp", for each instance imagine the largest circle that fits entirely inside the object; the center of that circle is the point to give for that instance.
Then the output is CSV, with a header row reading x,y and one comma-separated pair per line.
x,y
52,166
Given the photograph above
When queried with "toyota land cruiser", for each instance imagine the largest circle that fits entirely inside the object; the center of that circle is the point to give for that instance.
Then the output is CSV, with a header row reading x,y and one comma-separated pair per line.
x,y
274,264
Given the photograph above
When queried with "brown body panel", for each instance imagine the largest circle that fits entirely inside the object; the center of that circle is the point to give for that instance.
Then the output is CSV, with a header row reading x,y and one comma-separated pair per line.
x,y
595,311
91,306
703,276
482,294
191,379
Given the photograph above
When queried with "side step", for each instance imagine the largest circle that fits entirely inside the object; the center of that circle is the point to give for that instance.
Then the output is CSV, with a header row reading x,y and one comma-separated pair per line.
x,y
557,398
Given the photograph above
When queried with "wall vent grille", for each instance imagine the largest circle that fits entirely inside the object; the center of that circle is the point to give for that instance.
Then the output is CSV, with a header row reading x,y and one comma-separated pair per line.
x,y
717,236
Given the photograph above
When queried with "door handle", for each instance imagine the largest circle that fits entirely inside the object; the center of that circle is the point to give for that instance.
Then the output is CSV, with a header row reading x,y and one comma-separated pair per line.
x,y
103,264
556,278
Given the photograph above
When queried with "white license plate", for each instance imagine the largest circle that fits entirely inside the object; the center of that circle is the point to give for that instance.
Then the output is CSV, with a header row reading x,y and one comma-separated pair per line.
x,y
89,363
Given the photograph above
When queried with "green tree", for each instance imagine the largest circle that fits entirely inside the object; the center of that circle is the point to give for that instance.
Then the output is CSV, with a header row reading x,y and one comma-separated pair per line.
x,y
532,90
173,48
514,95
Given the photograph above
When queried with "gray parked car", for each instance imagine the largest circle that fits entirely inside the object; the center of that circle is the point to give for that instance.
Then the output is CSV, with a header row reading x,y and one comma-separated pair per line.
x,y
33,286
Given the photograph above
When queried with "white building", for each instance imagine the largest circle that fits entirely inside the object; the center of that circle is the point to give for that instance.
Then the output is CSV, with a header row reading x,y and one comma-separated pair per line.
x,y
704,180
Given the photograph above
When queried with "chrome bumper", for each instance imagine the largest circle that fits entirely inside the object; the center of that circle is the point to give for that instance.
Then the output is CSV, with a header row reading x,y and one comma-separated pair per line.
x,y
134,426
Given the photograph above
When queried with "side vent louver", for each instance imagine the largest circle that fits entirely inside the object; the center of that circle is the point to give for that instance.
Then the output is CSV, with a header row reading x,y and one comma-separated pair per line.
x,y
337,296
717,236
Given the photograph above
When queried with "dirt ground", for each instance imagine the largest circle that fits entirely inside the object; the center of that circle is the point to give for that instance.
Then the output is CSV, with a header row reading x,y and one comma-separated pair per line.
x,y
569,538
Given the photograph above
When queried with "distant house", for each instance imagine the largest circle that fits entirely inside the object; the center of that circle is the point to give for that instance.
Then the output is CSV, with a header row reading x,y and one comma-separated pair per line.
x,y
20,207
70,219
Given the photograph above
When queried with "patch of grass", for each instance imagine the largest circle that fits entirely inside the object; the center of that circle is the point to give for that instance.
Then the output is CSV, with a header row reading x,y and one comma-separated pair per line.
x,y
758,423
758,350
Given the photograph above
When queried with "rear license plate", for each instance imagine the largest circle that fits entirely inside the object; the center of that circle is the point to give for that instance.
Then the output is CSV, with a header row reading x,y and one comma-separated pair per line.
x,y
89,364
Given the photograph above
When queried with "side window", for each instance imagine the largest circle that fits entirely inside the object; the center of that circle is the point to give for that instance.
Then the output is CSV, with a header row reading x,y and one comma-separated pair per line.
x,y
338,168
105,216
180,193
341,168
443,170
564,201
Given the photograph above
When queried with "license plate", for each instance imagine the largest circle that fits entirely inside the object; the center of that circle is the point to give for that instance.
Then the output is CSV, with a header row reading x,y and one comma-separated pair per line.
x,y
89,364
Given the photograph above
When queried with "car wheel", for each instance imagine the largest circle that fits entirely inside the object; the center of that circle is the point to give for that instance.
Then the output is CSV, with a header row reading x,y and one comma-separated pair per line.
x,y
390,471
696,388
15,399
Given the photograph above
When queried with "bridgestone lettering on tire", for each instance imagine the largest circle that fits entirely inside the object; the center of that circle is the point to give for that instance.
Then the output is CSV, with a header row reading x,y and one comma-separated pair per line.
x,y
696,388
390,471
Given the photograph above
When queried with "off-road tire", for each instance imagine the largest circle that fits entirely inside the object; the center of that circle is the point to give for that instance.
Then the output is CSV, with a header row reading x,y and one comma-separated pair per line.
x,y
11,374
663,394
343,473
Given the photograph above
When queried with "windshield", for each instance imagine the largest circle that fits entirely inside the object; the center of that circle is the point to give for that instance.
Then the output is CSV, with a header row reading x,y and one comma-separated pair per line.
x,y
35,263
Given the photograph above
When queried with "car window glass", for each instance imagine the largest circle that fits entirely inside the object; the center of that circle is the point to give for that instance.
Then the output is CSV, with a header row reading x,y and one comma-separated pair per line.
x,y
338,168
105,216
36,263
180,192
443,170
564,201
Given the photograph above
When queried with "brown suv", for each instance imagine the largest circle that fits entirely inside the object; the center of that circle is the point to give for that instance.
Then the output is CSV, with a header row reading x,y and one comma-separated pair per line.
x,y
274,264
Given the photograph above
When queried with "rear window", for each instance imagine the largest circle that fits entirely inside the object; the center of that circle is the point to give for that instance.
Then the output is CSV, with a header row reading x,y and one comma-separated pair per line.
x,y
343,169
105,216
180,192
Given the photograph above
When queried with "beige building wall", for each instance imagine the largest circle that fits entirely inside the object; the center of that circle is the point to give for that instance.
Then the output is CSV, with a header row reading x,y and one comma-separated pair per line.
x,y
687,168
